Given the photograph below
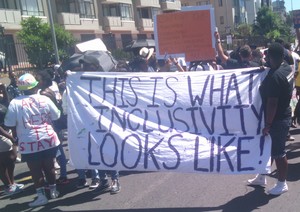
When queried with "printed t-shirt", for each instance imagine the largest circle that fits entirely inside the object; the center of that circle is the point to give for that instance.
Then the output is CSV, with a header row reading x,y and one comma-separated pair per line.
x,y
32,116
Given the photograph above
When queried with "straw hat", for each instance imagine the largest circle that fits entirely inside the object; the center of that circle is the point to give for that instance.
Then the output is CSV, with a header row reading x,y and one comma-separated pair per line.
x,y
146,53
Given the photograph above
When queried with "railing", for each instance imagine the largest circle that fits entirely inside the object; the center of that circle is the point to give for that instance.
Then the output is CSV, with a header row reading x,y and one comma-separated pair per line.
x,y
10,16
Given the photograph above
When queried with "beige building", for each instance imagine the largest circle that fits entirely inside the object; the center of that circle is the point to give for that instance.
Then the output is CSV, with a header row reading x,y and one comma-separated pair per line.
x,y
116,22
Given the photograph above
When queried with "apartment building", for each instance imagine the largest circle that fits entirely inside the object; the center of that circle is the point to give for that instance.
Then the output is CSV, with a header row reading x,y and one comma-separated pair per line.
x,y
116,22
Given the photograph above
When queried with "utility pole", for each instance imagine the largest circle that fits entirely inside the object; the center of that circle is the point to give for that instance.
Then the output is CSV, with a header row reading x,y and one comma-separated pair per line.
x,y
53,32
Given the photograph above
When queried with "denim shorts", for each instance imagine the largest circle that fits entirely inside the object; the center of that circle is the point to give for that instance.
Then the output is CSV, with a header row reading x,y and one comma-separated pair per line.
x,y
279,132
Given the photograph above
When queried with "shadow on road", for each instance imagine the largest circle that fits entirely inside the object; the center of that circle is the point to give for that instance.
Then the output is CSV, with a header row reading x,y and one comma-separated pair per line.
x,y
248,202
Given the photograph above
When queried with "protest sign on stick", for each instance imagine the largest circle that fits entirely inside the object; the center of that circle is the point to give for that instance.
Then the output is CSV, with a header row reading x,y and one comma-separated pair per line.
x,y
187,33
201,122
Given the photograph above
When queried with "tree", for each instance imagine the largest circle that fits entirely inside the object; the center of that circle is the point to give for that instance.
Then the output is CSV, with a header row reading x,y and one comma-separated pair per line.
x,y
243,31
36,36
270,25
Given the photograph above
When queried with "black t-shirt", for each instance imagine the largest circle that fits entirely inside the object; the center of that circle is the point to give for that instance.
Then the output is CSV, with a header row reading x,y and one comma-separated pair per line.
x,y
234,64
279,84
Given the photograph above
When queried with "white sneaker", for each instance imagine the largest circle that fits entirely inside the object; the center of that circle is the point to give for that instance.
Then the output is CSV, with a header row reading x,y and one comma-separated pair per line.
x,y
18,160
54,194
259,180
279,188
56,165
41,200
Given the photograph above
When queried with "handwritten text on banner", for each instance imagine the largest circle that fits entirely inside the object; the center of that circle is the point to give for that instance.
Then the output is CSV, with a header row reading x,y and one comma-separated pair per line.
x,y
202,122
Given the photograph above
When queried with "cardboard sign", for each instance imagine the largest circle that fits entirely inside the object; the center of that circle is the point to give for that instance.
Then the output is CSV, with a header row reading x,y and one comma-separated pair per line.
x,y
187,32
201,122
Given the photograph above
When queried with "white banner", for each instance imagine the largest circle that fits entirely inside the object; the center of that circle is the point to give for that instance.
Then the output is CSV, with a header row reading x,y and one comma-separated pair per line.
x,y
201,122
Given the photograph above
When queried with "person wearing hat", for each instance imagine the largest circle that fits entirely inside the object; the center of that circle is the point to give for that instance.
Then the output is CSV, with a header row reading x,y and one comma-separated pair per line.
x,y
147,54
30,118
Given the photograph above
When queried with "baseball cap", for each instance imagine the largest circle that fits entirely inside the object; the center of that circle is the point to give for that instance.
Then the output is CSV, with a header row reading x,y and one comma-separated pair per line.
x,y
27,82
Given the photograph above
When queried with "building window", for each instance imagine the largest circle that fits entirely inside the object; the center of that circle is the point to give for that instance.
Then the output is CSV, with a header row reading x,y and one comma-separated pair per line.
x,y
87,37
148,13
85,8
8,4
110,41
221,20
161,1
32,7
126,39
202,3
141,36
220,3
118,10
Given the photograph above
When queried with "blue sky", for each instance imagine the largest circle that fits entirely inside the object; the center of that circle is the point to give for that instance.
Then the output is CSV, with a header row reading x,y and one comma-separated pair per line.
x,y
295,3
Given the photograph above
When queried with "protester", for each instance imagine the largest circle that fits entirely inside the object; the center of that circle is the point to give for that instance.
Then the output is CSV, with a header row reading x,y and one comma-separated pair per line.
x,y
148,55
243,60
8,155
45,83
30,119
258,57
12,89
276,91
165,65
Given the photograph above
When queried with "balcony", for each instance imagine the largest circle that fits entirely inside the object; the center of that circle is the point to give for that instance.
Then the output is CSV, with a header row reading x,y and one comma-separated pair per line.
x,y
10,19
114,23
72,21
170,5
147,3
116,1
145,24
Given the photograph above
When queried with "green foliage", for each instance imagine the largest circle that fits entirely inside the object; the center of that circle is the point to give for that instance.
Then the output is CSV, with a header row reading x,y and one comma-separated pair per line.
x,y
37,39
120,54
270,25
243,31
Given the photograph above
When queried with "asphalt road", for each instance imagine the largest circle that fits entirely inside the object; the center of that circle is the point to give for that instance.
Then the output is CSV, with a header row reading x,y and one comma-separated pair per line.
x,y
168,192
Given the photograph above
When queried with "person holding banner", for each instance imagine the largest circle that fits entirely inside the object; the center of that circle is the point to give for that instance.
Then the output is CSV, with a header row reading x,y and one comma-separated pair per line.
x,y
276,91
30,118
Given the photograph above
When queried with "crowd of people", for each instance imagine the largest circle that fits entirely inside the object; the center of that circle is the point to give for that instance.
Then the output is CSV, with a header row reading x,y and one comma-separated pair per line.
x,y
33,113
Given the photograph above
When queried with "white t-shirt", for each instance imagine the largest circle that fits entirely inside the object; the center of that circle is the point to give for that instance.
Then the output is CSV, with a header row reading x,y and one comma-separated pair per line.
x,y
55,89
32,116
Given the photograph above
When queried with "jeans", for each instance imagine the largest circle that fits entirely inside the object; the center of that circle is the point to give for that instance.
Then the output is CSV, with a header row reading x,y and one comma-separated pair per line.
x,y
62,161
103,175
81,174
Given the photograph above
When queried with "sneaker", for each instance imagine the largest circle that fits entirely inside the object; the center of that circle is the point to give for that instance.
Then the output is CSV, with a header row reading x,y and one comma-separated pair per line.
x,y
18,160
102,187
41,200
115,187
259,180
56,165
290,138
82,183
13,189
279,188
20,186
54,194
62,181
95,183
